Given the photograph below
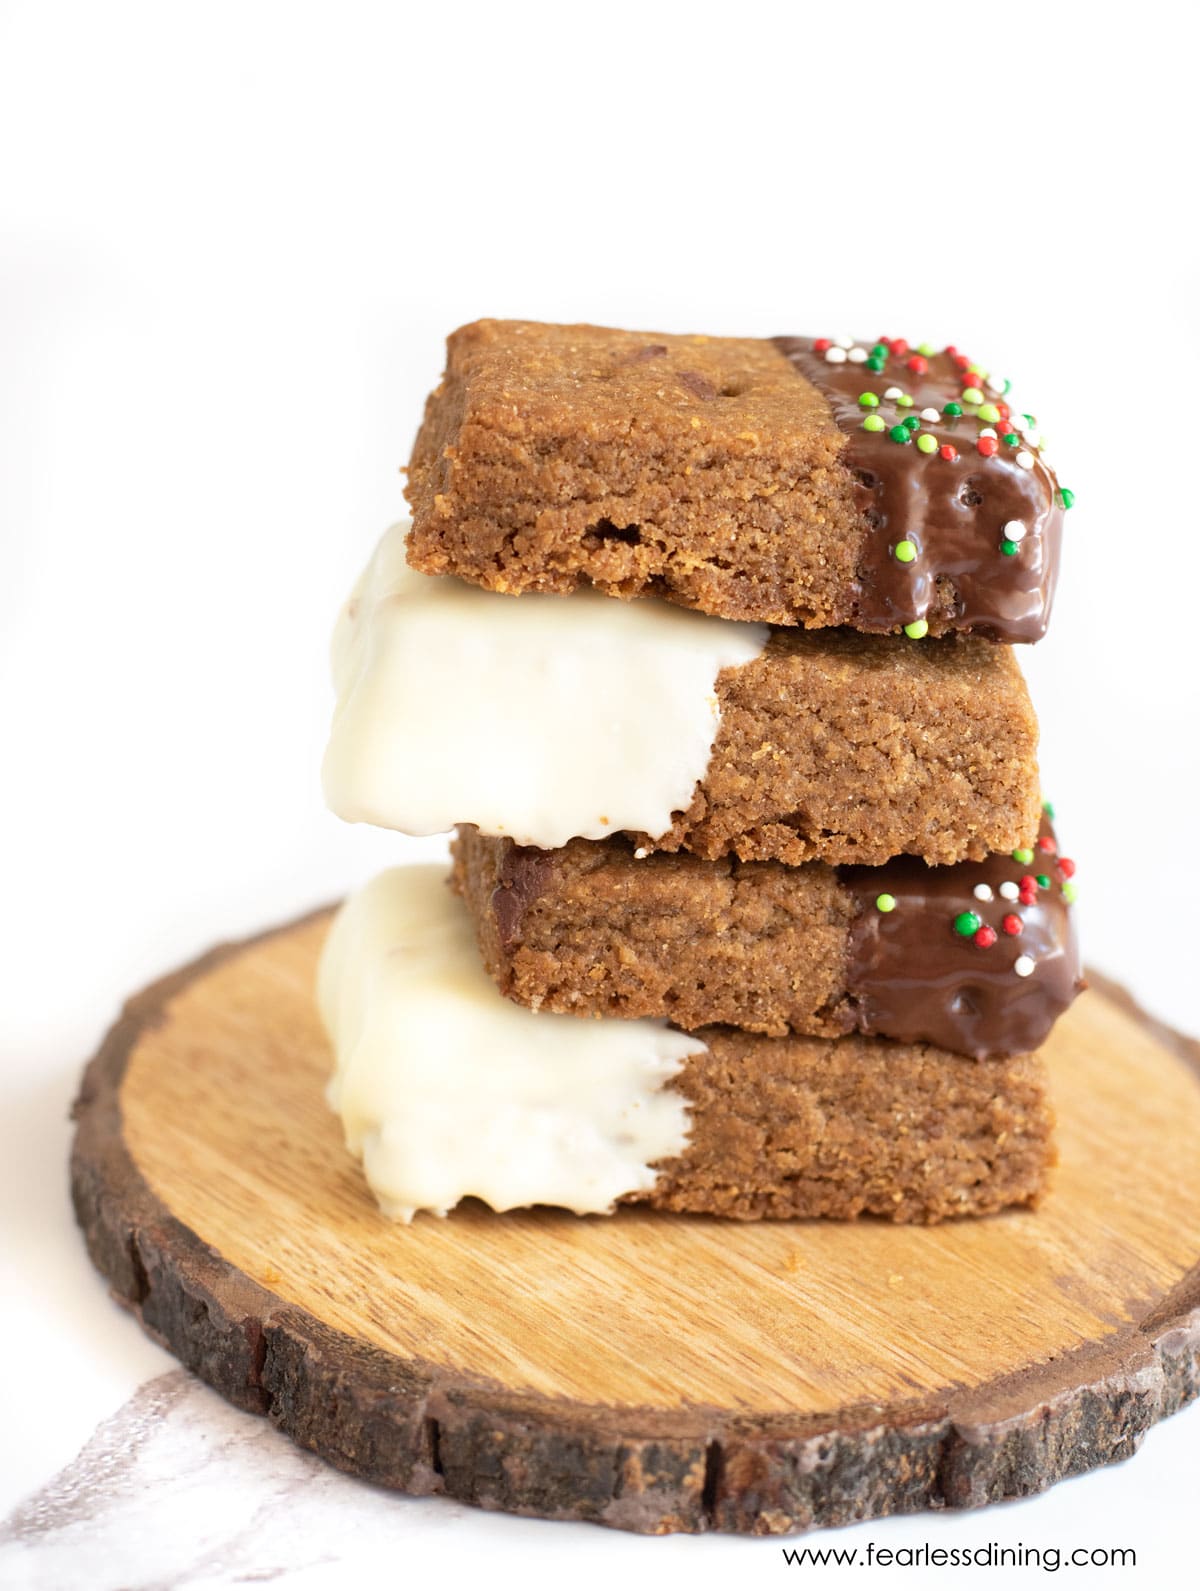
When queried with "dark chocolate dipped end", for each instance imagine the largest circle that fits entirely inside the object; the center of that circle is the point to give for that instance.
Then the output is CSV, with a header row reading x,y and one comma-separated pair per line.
x,y
523,876
965,515
981,958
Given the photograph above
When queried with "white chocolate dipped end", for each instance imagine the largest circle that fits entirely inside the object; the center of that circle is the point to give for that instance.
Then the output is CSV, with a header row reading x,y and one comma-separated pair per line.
x,y
537,717
447,1089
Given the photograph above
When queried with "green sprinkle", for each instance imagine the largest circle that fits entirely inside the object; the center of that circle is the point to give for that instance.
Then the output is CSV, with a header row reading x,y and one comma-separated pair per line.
x,y
1030,418
905,551
913,422
1048,809
874,423
953,410
1010,438
1023,856
868,400
885,903
880,351
1009,548
1066,497
1069,893
900,433
904,401
917,629
972,395
966,924
926,350
1043,881
927,443
990,413
875,363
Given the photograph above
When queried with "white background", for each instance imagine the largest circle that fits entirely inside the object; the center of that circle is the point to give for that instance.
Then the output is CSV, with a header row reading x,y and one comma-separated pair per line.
x,y
233,239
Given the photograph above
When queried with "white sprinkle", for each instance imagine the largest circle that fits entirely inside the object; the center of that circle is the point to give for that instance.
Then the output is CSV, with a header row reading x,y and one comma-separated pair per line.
x,y
1029,429
893,393
1025,459
835,356
641,853
1023,966
988,430
931,415
844,342
1014,530
983,892
1010,891
997,383
857,356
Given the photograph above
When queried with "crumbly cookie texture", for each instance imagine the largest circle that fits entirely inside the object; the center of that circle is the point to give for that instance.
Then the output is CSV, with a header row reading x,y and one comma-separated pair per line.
x,y
791,481
840,747
980,958
591,929
803,1127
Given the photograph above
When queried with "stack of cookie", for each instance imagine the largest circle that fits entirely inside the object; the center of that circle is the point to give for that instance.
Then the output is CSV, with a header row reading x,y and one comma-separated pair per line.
x,y
757,908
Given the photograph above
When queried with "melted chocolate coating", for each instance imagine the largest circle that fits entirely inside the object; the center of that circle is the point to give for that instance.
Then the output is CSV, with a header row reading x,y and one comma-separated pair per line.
x,y
953,511
914,977
524,875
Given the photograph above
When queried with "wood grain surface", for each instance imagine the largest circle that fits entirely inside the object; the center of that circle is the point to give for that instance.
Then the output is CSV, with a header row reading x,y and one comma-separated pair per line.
x,y
647,1371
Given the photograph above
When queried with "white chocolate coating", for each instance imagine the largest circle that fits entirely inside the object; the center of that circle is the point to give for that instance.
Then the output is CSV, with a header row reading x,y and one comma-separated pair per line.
x,y
445,1088
538,717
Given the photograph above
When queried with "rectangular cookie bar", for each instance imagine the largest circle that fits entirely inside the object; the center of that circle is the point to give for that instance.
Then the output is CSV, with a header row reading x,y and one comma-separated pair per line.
x,y
979,958
788,480
802,1127
576,716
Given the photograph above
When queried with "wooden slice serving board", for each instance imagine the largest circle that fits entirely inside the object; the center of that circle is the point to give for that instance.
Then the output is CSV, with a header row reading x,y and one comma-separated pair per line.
x,y
647,1371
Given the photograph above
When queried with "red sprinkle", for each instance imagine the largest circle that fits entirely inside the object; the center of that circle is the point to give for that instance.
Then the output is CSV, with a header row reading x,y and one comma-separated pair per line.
x,y
918,363
987,445
821,344
1005,411
948,452
985,937
899,347
1012,924
962,362
1045,843
951,349
1067,866
1029,882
